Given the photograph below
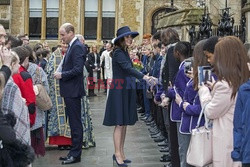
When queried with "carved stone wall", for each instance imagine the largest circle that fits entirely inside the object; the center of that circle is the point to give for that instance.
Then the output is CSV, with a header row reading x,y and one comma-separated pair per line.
x,y
130,13
5,15
135,13
17,17
71,13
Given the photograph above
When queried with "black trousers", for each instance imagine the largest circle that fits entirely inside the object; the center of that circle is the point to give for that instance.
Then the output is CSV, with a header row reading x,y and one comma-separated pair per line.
x,y
171,128
73,112
139,97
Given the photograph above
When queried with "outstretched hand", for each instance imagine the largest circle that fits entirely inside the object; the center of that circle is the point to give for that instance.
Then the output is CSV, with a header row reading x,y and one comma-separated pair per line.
x,y
153,81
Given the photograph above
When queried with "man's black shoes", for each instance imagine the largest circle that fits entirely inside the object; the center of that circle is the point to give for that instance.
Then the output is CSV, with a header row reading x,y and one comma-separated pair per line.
x,y
71,160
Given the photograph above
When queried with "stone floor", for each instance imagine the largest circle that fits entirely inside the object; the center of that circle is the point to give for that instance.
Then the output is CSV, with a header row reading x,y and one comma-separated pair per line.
x,y
139,147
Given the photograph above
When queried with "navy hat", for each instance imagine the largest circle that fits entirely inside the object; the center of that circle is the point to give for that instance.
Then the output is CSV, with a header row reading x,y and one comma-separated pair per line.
x,y
123,32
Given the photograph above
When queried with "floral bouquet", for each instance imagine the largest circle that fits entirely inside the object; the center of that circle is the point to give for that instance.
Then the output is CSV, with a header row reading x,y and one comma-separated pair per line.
x,y
137,64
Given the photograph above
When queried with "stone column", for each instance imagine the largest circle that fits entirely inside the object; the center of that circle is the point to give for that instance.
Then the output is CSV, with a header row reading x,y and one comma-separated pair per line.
x,y
116,15
82,15
17,17
43,22
99,22
246,10
27,16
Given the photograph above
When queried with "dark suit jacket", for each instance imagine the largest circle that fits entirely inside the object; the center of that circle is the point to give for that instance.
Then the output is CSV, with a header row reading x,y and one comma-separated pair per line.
x,y
90,64
170,68
71,84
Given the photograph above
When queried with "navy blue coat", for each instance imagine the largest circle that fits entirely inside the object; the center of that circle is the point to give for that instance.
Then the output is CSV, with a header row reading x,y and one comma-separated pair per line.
x,y
121,102
241,131
71,83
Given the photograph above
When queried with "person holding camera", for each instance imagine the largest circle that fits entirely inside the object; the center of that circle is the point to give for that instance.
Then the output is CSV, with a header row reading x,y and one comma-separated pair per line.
x,y
190,104
231,69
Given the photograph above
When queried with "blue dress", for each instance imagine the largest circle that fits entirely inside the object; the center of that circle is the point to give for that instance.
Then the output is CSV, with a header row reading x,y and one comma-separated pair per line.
x,y
121,102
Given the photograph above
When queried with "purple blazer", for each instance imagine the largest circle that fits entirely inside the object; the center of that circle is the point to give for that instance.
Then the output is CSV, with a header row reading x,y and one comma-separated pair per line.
x,y
180,85
189,118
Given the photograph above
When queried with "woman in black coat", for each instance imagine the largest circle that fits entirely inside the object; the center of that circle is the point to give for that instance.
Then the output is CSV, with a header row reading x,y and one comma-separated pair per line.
x,y
94,69
121,102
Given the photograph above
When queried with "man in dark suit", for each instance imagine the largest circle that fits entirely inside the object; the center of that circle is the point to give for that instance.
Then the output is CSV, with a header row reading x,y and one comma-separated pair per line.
x,y
72,89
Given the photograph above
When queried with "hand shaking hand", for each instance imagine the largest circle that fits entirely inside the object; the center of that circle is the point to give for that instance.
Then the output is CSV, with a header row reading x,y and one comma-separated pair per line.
x,y
152,81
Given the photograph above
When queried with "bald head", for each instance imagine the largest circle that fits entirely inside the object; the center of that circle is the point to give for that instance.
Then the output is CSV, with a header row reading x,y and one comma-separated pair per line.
x,y
2,35
68,27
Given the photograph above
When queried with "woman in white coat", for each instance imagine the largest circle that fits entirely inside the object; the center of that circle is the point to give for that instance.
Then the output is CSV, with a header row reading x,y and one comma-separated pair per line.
x,y
231,69
108,64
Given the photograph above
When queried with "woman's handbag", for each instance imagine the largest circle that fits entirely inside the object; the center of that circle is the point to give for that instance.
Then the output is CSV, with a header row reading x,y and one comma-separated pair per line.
x,y
200,147
43,100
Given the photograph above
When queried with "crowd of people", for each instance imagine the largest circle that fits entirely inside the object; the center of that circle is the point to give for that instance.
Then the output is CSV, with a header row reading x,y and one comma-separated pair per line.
x,y
171,107
159,79
24,66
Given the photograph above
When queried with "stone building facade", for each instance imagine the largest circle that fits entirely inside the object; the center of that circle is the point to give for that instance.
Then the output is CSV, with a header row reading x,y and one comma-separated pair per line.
x,y
140,15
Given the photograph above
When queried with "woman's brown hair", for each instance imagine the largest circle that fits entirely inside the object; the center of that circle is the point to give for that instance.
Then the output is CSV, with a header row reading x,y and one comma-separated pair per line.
x,y
14,57
169,36
231,59
199,60
121,44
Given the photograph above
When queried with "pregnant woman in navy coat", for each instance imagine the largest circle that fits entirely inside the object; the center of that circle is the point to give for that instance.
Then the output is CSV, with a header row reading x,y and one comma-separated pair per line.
x,y
121,102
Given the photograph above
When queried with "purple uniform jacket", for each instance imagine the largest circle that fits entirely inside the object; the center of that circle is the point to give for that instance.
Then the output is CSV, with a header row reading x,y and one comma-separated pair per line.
x,y
190,117
179,86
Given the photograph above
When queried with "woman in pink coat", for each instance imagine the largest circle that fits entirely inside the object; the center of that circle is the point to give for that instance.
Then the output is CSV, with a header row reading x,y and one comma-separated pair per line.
x,y
232,71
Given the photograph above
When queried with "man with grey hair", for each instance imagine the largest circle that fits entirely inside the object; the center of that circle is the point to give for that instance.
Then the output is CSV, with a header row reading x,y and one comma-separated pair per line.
x,y
81,38
72,89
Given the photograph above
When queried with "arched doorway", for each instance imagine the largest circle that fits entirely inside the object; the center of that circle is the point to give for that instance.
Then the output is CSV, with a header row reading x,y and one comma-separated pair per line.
x,y
156,17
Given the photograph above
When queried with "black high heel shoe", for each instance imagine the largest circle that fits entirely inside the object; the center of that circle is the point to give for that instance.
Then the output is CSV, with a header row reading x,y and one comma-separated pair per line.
x,y
115,160
127,161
